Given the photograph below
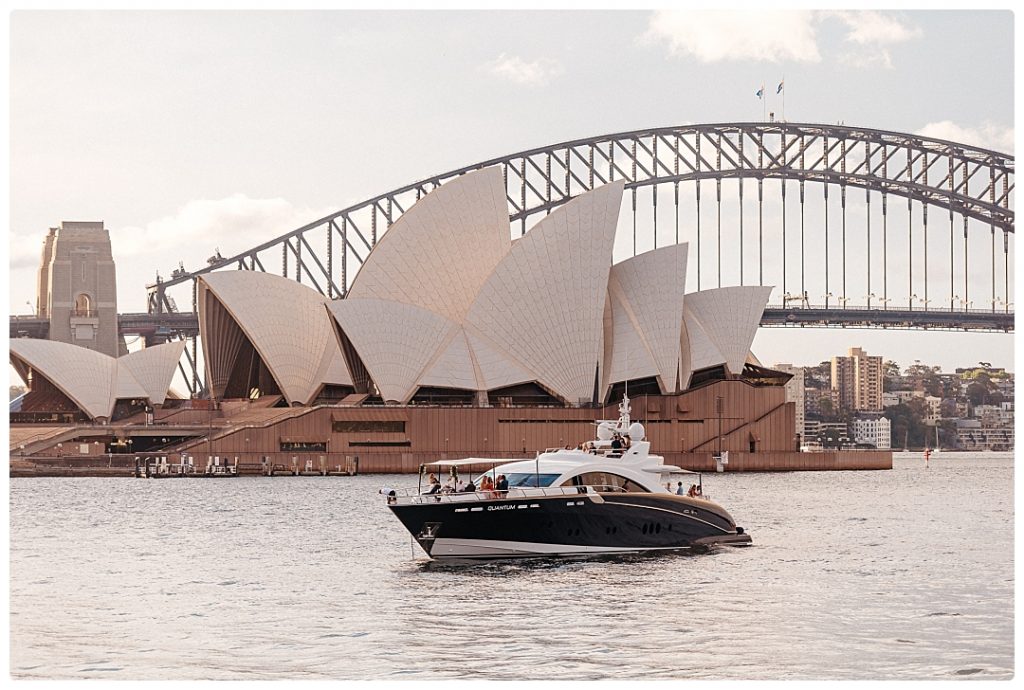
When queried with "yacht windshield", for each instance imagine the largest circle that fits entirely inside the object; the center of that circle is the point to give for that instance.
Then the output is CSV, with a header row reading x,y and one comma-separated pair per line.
x,y
531,479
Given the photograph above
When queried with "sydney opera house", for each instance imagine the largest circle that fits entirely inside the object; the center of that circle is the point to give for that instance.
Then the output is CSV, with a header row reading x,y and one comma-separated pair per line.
x,y
454,339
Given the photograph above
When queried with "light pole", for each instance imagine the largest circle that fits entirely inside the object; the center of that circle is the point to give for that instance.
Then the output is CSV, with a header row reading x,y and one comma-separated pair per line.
x,y
718,412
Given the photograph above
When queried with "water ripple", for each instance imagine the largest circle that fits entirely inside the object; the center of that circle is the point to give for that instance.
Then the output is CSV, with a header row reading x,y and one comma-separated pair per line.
x,y
312,578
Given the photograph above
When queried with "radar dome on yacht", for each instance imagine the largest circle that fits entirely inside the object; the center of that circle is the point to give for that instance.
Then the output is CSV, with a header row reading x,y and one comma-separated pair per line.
x,y
636,431
605,431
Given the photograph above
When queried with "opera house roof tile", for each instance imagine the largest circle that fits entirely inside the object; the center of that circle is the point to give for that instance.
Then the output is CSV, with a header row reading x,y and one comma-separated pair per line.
x,y
287,325
647,290
729,318
95,381
454,367
439,252
153,367
446,300
545,301
395,341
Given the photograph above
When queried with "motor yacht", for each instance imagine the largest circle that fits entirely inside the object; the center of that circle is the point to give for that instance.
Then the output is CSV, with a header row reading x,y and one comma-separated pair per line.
x,y
609,496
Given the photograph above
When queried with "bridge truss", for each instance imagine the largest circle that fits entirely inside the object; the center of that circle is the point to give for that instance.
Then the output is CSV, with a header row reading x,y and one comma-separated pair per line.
x,y
843,214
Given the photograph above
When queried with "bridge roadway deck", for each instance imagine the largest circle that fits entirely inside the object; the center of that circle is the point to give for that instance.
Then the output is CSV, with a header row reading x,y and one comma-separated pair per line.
x,y
158,328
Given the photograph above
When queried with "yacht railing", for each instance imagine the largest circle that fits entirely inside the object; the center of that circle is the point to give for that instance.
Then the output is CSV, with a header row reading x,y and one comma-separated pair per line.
x,y
613,453
410,496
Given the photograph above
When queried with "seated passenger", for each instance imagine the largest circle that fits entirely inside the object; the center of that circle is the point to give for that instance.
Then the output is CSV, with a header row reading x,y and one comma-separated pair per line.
x,y
616,442
460,486
433,484
502,485
487,486
470,487
692,493
679,490
626,442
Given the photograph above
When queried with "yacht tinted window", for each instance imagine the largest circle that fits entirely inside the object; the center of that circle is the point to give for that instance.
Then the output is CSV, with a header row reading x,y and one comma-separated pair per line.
x,y
530,479
604,481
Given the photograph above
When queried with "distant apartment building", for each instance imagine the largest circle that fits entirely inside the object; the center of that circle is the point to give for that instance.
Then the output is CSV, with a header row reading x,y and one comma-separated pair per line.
x,y
890,398
933,412
795,392
876,431
813,398
77,287
858,379
995,415
973,435
829,434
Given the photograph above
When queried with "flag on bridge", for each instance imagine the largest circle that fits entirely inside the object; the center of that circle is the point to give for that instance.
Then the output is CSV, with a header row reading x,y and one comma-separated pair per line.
x,y
760,92
779,90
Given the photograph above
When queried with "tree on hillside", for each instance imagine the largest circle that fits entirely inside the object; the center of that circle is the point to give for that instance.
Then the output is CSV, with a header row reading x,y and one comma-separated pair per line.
x,y
908,423
892,380
924,378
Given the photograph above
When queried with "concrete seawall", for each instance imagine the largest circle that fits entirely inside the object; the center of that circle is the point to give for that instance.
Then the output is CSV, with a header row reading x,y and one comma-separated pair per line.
x,y
408,463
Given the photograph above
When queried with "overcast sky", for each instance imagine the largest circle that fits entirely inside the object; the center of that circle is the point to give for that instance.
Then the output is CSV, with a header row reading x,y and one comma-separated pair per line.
x,y
187,132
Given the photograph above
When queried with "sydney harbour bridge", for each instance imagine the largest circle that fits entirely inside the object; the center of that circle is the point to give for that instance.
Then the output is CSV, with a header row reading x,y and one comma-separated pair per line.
x,y
853,227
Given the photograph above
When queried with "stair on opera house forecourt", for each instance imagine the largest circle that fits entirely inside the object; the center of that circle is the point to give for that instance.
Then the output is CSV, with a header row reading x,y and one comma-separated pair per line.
x,y
33,435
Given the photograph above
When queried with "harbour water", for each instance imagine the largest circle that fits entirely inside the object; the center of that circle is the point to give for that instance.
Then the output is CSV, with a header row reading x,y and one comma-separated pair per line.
x,y
901,574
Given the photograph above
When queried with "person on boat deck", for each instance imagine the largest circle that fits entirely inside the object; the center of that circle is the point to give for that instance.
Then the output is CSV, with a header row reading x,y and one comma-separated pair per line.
x,y
692,493
470,487
449,486
502,485
487,486
616,442
626,442
460,486
435,484
679,490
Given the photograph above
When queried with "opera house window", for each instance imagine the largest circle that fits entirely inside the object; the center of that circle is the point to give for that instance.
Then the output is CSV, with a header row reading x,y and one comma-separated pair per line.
x,y
368,426
304,446
83,305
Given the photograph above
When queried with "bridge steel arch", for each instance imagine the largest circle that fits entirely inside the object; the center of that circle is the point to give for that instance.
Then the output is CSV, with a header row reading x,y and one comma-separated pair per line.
x,y
971,186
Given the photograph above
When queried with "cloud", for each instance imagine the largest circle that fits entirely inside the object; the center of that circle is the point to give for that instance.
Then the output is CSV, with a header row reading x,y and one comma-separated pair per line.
x,y
713,36
513,68
25,252
190,235
988,135
874,28
871,33
232,224
776,36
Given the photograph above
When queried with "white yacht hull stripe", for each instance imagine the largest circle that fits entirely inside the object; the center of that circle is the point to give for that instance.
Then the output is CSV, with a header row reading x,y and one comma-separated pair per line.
x,y
448,547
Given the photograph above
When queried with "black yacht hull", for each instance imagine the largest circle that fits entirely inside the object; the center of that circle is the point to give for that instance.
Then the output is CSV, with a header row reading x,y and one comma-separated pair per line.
x,y
566,525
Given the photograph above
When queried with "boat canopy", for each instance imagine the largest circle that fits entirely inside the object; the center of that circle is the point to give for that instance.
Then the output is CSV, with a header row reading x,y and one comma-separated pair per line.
x,y
469,461
668,469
